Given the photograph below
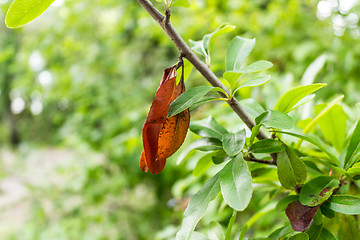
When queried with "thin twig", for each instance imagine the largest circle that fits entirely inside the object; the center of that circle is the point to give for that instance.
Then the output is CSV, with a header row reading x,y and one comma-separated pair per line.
x,y
198,64
252,159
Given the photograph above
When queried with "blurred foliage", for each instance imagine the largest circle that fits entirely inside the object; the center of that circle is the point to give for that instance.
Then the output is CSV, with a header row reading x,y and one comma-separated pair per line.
x,y
82,77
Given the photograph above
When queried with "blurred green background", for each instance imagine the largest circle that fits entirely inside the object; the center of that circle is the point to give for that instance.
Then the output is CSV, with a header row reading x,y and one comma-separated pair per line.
x,y
76,85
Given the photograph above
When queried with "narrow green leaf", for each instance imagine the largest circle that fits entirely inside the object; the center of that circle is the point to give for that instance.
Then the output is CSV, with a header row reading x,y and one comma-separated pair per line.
x,y
292,97
235,183
300,236
275,119
22,12
344,204
333,125
202,165
230,225
243,232
208,128
188,98
354,170
353,150
283,203
257,66
291,170
238,50
314,141
267,146
197,207
233,143
232,78
318,190
254,132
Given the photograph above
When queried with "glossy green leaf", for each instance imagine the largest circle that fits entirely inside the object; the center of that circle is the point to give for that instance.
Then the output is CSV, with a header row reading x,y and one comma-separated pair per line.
x,y
344,204
292,97
197,207
233,143
333,125
257,66
275,119
267,146
236,185
354,170
202,165
202,101
291,170
353,150
238,50
188,98
318,190
22,12
300,236
314,141
208,128
198,47
283,203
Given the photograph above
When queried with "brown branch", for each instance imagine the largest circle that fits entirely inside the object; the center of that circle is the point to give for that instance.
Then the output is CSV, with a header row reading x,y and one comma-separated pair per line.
x,y
198,64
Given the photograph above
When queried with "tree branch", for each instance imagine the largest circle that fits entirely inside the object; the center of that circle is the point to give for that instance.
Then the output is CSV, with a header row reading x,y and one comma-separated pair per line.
x,y
198,64
252,159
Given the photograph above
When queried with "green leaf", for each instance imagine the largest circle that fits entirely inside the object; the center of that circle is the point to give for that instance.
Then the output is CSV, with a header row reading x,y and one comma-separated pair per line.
x,y
202,165
187,70
283,203
257,66
22,12
252,107
314,141
254,82
230,225
354,170
202,47
291,170
353,150
219,157
326,234
318,190
182,3
254,132
300,236
197,207
233,143
208,128
275,119
281,232
238,50
344,204
292,97
314,231
243,232
188,98
333,125
267,146
202,101
235,183
202,144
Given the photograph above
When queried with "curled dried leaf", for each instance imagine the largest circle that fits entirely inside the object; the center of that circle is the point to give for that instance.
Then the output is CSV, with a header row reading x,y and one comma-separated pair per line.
x,y
163,136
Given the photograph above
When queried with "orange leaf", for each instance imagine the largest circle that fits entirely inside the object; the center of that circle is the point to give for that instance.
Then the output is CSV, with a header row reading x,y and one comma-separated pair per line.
x,y
163,136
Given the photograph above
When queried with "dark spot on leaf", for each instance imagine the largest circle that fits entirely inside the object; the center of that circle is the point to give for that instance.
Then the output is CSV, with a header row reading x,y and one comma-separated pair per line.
x,y
322,193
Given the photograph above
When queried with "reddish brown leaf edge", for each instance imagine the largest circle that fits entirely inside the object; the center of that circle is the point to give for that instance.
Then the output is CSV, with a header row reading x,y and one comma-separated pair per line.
x,y
163,136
